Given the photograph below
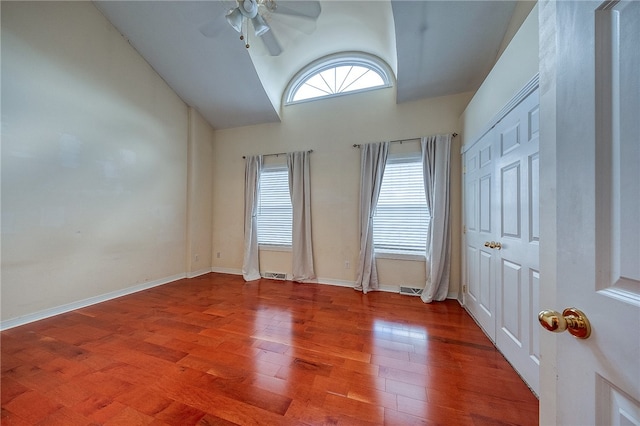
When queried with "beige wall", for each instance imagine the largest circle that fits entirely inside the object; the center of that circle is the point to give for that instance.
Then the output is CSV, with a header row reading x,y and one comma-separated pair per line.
x,y
94,163
200,193
515,68
330,127
521,12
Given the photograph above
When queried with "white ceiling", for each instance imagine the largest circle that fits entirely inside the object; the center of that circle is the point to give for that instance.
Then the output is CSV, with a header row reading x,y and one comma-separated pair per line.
x,y
435,48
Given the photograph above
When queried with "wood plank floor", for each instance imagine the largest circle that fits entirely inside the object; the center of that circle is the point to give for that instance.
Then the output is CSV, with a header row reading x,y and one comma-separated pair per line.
x,y
215,350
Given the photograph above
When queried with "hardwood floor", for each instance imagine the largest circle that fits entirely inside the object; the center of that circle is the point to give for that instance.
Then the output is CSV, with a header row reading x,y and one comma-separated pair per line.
x,y
215,350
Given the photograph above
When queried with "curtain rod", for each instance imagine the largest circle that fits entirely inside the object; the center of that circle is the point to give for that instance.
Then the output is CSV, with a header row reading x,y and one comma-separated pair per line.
x,y
357,145
277,154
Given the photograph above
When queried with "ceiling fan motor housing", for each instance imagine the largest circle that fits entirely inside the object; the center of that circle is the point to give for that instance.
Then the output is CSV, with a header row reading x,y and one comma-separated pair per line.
x,y
249,8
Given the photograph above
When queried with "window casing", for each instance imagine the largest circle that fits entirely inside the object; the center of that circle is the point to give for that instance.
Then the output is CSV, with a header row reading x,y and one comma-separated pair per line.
x,y
337,75
401,218
274,207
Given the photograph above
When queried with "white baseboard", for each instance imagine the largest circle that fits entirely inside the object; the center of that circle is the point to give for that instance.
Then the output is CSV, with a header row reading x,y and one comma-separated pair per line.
x,y
338,283
454,296
198,273
351,284
46,313
230,271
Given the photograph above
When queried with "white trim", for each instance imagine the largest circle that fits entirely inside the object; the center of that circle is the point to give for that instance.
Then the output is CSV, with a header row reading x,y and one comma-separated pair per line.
x,y
352,284
229,271
50,312
198,273
338,283
453,296
513,102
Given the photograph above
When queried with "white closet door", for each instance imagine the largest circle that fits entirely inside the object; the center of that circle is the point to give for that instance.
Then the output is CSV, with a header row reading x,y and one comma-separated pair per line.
x,y
516,212
502,235
480,296
591,237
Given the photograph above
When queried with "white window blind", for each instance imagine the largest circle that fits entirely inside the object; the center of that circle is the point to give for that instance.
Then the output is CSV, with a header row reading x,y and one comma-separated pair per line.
x,y
274,207
401,219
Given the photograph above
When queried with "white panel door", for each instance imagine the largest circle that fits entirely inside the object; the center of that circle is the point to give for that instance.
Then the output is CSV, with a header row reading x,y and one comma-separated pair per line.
x,y
480,296
590,182
517,228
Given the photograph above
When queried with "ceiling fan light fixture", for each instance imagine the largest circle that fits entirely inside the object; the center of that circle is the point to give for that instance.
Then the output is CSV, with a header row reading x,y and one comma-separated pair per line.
x,y
260,25
235,18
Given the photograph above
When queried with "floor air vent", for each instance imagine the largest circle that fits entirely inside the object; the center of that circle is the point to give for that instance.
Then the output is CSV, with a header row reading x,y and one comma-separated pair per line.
x,y
275,276
408,291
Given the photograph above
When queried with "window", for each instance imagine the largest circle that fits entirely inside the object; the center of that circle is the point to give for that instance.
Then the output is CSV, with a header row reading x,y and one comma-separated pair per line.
x,y
401,219
274,207
337,75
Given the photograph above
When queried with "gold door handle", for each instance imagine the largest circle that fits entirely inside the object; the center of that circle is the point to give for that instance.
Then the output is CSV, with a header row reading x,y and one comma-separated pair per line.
x,y
571,319
493,245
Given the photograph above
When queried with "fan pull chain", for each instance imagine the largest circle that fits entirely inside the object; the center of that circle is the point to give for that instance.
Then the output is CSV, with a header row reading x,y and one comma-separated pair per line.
x,y
242,35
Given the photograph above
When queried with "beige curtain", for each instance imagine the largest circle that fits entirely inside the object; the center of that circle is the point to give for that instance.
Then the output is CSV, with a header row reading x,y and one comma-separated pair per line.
x,y
250,262
300,191
373,158
436,159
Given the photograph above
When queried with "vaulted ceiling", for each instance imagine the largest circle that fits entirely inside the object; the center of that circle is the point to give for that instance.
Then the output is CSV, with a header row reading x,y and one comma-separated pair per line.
x,y
435,48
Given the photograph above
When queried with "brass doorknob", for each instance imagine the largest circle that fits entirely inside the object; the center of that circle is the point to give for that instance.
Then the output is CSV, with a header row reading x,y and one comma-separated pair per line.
x,y
571,319
493,245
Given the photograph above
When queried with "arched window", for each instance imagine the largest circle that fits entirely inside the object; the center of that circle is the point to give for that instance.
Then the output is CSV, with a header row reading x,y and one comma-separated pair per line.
x,y
337,75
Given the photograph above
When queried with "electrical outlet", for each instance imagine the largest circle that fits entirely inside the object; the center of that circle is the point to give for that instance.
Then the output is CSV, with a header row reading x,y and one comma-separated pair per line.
x,y
218,255
347,264
197,257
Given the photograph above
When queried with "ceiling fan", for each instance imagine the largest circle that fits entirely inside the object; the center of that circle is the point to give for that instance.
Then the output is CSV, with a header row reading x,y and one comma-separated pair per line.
x,y
262,14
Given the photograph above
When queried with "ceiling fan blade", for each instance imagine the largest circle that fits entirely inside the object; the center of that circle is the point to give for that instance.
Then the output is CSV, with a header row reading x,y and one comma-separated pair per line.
x,y
271,43
303,9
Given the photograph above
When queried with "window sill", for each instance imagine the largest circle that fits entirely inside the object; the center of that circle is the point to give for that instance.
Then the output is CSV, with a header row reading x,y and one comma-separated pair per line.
x,y
267,247
381,254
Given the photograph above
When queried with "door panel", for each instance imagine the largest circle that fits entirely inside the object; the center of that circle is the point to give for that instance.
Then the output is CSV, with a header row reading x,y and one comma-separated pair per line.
x,y
617,152
510,212
486,282
510,318
509,138
471,205
533,308
534,198
485,204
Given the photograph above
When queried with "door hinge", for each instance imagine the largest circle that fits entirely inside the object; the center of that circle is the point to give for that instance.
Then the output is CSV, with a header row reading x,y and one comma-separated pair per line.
x,y
464,169
464,229
464,288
